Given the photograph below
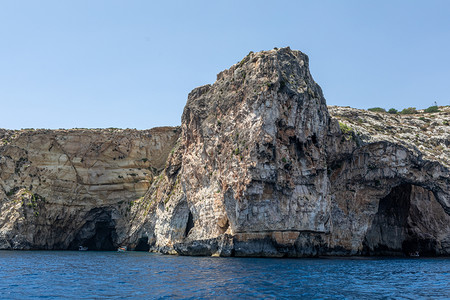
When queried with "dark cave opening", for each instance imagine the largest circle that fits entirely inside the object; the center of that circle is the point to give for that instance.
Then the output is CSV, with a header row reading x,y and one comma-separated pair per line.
x,y
189,225
314,140
102,238
98,233
142,245
424,246
398,227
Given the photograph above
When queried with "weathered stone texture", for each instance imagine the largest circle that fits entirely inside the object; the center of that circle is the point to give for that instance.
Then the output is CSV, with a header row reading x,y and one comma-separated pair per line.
x,y
258,168
264,165
59,187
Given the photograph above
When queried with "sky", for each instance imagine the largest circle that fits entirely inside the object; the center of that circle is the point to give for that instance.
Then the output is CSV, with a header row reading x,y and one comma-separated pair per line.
x,y
131,64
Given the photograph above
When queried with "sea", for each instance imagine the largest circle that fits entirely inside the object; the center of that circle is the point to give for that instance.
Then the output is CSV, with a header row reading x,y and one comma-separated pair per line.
x,y
119,275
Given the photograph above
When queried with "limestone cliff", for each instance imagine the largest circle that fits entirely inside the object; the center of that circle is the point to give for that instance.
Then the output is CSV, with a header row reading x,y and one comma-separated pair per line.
x,y
60,189
263,170
260,168
425,134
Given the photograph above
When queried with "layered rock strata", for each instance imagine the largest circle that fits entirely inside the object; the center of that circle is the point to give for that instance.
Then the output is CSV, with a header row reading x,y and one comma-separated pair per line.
x,y
425,134
258,168
61,189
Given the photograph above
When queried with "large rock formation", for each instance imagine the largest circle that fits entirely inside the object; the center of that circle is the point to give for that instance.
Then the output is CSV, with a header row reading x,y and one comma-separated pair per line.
x,y
60,189
259,169
264,170
393,192
425,134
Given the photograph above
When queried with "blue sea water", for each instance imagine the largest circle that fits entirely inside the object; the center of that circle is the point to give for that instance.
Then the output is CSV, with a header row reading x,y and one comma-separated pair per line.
x,y
93,275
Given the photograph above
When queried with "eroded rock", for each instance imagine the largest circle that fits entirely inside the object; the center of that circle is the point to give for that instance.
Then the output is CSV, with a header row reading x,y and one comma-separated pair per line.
x,y
64,188
258,168
263,162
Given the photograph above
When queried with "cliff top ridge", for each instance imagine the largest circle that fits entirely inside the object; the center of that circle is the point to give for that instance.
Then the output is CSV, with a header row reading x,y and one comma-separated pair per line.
x,y
425,133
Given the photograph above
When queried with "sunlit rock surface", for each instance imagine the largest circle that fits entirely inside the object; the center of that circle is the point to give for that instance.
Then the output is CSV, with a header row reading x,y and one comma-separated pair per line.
x,y
258,168
62,189
263,170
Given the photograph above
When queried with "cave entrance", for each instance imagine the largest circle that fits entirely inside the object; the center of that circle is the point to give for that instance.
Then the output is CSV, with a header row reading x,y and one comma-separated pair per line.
x,y
102,238
98,233
189,224
405,223
142,245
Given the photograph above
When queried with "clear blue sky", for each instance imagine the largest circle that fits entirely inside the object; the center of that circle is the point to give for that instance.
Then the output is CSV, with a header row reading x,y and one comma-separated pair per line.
x,y
131,64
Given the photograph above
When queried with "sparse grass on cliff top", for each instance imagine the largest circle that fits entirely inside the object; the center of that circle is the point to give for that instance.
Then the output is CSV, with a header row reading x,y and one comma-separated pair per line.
x,y
425,132
406,111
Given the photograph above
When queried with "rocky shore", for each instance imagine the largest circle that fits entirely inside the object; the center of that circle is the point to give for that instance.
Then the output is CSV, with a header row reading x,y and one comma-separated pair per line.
x,y
260,166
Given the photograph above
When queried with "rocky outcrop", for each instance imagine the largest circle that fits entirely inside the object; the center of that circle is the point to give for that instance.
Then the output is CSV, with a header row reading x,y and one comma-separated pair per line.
x,y
263,170
381,174
425,134
60,189
258,168
394,187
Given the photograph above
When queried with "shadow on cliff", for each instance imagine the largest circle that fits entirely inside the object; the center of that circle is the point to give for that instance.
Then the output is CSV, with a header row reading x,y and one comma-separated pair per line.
x,y
98,233
403,224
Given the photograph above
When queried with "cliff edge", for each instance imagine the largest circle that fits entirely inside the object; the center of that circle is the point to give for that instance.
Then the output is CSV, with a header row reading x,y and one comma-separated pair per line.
x,y
263,170
61,189
258,168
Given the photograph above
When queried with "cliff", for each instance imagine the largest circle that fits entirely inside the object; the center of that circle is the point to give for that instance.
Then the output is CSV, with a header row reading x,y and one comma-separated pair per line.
x,y
425,134
258,168
60,189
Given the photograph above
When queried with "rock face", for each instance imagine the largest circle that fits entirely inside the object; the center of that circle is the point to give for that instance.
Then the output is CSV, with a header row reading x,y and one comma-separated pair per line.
x,y
61,189
263,170
260,168
425,134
